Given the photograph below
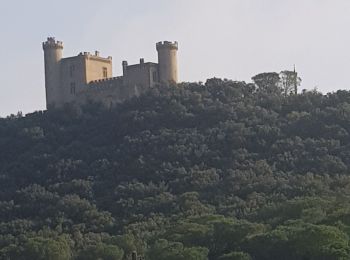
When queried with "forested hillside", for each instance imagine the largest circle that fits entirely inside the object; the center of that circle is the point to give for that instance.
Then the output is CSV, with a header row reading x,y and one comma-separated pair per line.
x,y
221,171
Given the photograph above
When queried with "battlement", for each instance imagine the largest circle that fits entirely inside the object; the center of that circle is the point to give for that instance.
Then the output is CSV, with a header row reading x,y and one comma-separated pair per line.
x,y
167,45
103,84
51,43
105,80
96,55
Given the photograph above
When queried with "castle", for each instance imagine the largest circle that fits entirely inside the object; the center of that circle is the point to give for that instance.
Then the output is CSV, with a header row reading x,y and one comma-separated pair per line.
x,y
88,77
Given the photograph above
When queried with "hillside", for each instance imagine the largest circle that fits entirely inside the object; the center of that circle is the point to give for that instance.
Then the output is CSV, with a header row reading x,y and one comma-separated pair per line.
x,y
201,171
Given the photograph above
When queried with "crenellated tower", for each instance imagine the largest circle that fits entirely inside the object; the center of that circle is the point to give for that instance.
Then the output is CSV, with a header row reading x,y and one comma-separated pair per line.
x,y
53,55
167,61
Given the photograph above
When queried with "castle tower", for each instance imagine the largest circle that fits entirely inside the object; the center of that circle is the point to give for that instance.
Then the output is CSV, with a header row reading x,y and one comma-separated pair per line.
x,y
125,66
53,54
167,61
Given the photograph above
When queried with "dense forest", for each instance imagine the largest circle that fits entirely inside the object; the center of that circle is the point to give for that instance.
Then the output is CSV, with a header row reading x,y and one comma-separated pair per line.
x,y
221,170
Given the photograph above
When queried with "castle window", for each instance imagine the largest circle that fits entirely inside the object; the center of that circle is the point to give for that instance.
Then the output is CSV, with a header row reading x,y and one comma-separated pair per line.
x,y
71,70
154,76
72,88
105,72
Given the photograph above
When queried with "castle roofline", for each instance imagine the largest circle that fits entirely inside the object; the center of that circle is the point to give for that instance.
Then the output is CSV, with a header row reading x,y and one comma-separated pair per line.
x,y
142,64
51,43
95,56
88,55
105,80
167,45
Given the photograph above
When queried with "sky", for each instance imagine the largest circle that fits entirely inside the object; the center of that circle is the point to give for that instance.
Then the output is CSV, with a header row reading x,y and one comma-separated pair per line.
x,y
233,39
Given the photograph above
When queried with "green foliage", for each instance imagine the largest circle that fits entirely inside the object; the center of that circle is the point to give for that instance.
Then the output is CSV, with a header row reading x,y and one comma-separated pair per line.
x,y
101,251
290,82
221,170
267,82
301,241
163,249
235,256
46,249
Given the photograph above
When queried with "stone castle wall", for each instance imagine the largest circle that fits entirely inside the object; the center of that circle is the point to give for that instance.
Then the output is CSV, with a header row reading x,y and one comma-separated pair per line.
x,y
109,92
77,72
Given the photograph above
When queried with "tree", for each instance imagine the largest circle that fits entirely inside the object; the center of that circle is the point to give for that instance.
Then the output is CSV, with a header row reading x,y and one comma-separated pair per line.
x,y
268,82
163,249
40,248
235,256
228,235
289,82
101,251
300,241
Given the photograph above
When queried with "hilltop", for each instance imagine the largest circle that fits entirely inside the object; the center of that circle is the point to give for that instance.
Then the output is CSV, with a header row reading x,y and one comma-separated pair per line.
x,y
221,170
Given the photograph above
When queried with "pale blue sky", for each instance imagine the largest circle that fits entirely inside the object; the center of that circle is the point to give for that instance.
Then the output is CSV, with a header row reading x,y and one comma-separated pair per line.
x,y
233,39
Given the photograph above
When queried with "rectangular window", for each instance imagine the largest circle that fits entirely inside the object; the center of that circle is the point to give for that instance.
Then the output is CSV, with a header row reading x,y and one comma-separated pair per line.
x,y
154,76
71,70
105,72
72,88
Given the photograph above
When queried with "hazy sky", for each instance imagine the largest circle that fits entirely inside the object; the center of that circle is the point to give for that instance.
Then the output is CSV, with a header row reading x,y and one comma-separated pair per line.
x,y
233,39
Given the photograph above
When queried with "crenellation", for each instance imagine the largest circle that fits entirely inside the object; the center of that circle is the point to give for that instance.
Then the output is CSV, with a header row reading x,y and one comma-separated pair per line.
x,y
88,76
167,44
52,43
104,84
107,79
96,54
98,58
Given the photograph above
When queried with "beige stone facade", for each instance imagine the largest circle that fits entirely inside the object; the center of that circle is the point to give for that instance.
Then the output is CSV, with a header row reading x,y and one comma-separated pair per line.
x,y
88,77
